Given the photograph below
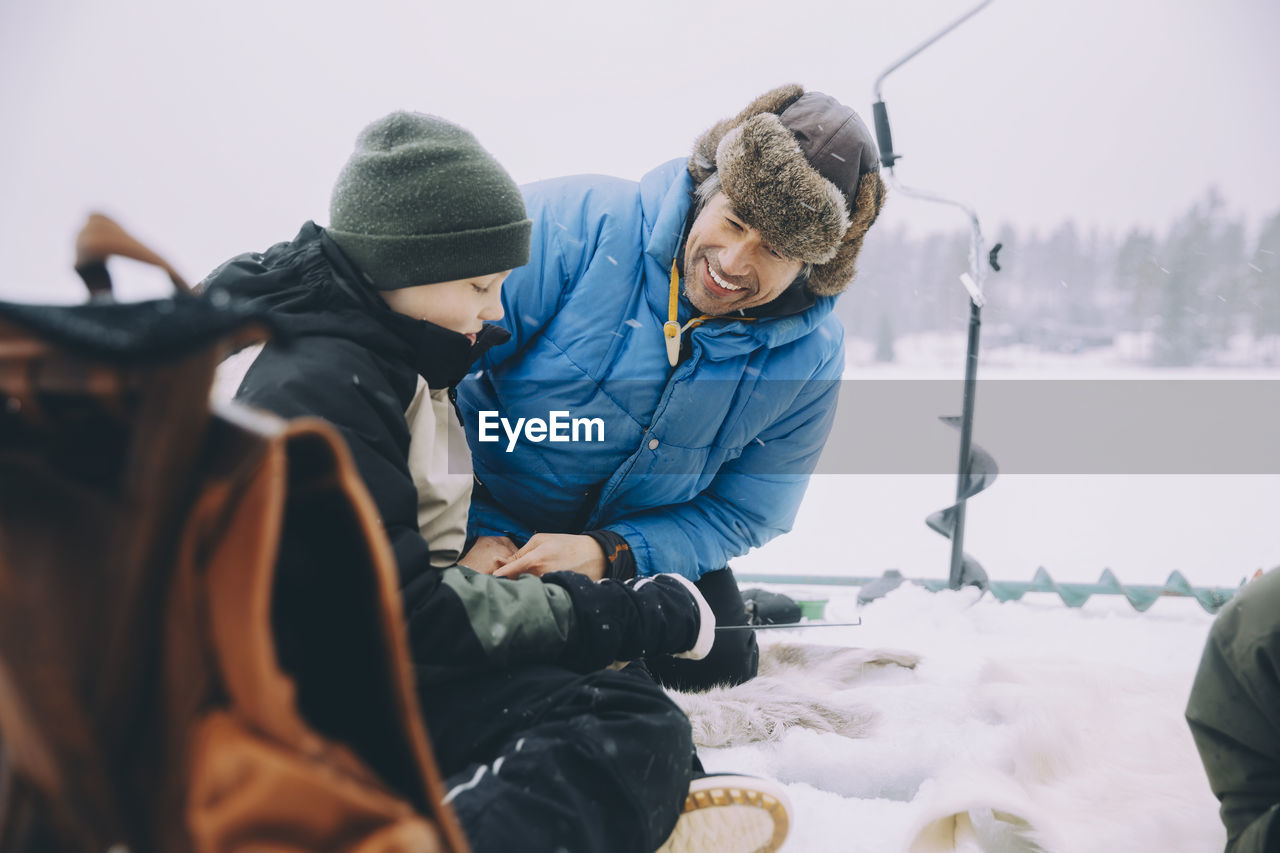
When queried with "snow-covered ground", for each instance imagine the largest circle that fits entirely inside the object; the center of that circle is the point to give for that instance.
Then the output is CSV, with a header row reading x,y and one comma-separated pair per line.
x,y
1069,719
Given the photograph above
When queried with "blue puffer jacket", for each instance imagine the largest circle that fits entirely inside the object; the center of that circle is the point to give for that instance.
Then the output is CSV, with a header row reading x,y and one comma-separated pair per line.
x,y
699,462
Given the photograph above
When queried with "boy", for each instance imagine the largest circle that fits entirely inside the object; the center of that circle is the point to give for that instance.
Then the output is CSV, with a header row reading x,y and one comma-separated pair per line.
x,y
386,309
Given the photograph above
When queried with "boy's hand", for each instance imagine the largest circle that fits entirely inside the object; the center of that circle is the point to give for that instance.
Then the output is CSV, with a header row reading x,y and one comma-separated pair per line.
x,y
554,552
665,614
488,552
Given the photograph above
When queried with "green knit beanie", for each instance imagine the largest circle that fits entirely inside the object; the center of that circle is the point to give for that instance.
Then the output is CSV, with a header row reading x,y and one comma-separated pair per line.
x,y
421,202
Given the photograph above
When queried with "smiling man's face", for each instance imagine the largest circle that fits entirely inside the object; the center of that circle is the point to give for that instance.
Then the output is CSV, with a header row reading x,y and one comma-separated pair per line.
x,y
728,266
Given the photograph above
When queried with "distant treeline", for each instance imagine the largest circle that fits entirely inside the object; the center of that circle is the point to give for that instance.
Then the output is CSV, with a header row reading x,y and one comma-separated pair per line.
x,y
1201,292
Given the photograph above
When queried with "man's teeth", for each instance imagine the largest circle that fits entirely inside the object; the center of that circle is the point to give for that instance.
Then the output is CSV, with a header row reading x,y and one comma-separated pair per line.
x,y
718,280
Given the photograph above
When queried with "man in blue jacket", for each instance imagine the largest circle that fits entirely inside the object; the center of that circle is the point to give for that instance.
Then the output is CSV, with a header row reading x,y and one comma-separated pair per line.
x,y
673,368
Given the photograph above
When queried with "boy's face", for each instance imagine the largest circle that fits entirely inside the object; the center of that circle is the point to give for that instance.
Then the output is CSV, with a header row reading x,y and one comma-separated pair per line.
x,y
463,305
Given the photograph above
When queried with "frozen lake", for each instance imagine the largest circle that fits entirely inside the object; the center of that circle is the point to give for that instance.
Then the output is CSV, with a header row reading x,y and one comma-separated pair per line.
x,y
1215,529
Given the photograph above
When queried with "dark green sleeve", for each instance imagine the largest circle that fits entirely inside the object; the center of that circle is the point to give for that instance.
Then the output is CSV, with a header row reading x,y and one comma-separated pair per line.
x,y
460,620
1234,714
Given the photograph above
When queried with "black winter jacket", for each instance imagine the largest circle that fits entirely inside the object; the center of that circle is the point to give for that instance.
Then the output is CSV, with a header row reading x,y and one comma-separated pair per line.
x,y
351,360
1234,713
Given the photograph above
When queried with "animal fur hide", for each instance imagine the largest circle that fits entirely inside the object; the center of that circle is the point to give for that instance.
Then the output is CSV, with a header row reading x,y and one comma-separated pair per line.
x,y
799,685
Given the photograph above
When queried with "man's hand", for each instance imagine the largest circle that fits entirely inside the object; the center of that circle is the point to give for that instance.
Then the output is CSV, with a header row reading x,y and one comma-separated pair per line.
x,y
488,553
555,552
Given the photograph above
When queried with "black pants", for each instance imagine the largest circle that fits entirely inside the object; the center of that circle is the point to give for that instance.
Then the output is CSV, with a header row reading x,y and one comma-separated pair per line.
x,y
544,759
735,655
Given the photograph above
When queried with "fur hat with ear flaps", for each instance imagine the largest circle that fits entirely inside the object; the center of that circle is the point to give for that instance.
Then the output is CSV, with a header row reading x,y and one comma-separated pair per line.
x,y
803,169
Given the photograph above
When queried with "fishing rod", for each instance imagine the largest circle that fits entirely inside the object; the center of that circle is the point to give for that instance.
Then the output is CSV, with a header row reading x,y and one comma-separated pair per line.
x,y
781,625
962,570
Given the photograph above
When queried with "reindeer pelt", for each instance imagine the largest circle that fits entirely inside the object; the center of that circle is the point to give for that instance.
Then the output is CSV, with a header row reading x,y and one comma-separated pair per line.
x,y
833,664
800,685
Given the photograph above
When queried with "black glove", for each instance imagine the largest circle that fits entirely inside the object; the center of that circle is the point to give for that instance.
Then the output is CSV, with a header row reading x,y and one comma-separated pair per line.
x,y
660,615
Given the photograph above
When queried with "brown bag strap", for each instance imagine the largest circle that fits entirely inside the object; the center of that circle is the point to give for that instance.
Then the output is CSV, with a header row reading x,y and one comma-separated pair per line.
x,y
349,645
390,617
100,238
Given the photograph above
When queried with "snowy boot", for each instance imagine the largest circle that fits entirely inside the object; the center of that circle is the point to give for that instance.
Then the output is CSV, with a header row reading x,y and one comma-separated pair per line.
x,y
728,813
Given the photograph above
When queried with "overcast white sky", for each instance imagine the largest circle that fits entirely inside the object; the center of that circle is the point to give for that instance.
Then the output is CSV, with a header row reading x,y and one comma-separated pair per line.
x,y
215,128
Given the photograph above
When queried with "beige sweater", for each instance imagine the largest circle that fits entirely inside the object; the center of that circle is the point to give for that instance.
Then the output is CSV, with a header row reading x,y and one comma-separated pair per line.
x,y
441,466
438,459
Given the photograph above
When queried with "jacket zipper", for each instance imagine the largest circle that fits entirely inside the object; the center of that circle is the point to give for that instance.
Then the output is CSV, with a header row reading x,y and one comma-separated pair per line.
x,y
678,375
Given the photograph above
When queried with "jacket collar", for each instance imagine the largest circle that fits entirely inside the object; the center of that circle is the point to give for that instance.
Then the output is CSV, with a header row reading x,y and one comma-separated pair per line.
x,y
309,287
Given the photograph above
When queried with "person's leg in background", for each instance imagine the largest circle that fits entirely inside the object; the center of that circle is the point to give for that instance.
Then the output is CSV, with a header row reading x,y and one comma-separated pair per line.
x,y
1234,714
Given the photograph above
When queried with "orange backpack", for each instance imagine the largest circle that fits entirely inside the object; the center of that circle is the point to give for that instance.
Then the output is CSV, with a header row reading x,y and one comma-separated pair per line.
x,y
167,680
